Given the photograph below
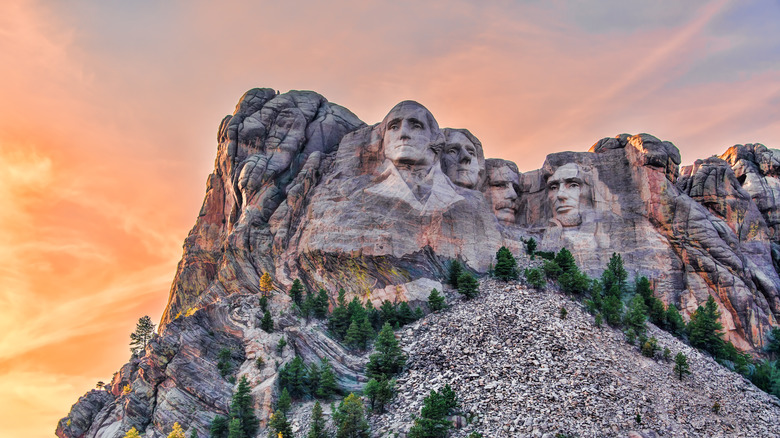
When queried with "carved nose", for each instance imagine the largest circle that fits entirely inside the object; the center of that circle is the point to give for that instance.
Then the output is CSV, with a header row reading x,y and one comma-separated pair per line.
x,y
465,158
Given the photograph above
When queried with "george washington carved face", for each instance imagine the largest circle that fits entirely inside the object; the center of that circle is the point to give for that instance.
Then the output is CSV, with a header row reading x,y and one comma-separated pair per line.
x,y
410,135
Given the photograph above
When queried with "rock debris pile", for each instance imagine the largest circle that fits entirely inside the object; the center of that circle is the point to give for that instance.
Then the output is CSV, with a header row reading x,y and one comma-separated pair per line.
x,y
521,370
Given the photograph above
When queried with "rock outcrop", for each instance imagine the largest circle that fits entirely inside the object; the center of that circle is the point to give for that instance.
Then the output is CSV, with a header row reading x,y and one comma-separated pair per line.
x,y
304,189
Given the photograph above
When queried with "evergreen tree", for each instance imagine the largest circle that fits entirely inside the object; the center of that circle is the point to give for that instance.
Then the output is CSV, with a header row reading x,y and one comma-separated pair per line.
x,y
356,310
241,409
704,328
350,418
341,318
574,282
565,260
359,334
636,316
279,427
643,289
266,284
613,310
388,359
317,428
292,376
322,304
432,421
534,278
389,314
506,265
436,301
674,321
551,270
454,273
681,366
530,247
468,285
219,427
234,429
263,301
328,386
313,378
405,314
657,313
296,292
379,392
144,330
309,304
267,323
374,316
285,402
224,364
772,345
177,431
132,433
615,266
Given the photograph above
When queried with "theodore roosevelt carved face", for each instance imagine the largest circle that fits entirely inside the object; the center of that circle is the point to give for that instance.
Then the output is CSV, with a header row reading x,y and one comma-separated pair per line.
x,y
565,191
503,188
462,159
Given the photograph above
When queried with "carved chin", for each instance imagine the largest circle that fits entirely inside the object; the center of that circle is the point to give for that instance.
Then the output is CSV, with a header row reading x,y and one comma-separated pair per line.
x,y
506,215
571,219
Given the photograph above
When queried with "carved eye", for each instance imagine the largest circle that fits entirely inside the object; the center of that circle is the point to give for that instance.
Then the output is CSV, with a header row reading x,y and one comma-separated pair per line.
x,y
553,187
452,151
417,125
471,152
393,126
574,185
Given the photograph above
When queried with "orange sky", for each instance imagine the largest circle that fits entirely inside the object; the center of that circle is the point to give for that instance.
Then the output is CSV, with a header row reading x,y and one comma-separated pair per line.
x,y
109,111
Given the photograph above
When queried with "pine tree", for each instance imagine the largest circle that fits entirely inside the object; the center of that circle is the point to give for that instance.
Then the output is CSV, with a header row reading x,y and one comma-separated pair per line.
x,y
681,366
359,334
144,330
617,275
285,402
534,278
322,304
436,301
263,301
292,376
224,362
234,429
405,314
317,428
132,433
704,328
219,427
506,265
267,323
530,247
551,270
388,312
455,270
388,359
309,304
296,292
379,392
636,316
468,285
266,284
350,418
674,321
374,316
613,310
565,260
313,378
341,318
328,386
177,432
279,427
241,409
432,421
574,282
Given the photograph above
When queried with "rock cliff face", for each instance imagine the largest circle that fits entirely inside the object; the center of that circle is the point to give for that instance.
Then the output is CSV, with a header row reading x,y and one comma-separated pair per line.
x,y
303,189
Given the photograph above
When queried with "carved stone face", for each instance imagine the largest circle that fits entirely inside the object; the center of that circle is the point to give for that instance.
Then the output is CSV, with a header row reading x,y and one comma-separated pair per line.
x,y
564,189
502,191
459,160
408,135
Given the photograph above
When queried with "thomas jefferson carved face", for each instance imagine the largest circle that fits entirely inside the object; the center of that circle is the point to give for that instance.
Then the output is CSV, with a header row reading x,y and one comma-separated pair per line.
x,y
502,190
564,190
460,160
409,133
